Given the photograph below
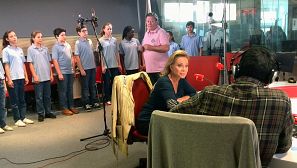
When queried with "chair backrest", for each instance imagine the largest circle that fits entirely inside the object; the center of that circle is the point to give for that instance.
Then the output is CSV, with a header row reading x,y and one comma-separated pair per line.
x,y
98,74
184,140
30,86
141,92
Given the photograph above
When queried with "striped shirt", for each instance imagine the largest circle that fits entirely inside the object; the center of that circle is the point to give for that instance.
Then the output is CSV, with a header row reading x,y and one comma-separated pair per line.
x,y
270,109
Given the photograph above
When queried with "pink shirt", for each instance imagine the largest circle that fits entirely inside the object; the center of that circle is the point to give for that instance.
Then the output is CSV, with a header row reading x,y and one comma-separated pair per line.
x,y
155,61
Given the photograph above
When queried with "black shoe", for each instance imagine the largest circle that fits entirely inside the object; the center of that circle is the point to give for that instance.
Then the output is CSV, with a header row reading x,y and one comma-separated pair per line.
x,y
50,115
40,118
88,107
291,80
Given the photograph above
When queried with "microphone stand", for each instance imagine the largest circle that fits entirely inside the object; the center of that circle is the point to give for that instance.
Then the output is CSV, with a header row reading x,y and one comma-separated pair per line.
x,y
106,131
226,81
209,45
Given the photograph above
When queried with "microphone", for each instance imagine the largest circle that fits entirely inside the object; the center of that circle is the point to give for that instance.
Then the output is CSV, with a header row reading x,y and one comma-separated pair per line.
x,y
210,14
220,66
80,20
94,18
201,78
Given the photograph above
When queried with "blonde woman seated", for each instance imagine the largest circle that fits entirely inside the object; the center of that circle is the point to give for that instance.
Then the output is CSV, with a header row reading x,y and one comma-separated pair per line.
x,y
171,89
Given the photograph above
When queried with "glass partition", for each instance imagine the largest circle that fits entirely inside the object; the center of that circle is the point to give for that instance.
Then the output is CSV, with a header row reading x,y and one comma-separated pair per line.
x,y
271,23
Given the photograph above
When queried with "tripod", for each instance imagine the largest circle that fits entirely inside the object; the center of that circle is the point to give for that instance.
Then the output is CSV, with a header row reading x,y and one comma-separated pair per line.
x,y
106,130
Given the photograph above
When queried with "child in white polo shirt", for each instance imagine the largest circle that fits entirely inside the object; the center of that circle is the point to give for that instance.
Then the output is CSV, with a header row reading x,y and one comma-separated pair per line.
x,y
16,74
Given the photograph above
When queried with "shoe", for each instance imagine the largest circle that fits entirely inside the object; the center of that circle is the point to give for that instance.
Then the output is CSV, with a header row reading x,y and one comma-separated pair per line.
x,y
50,115
74,111
40,118
67,112
28,121
108,103
291,80
7,128
20,123
88,107
97,106
1,131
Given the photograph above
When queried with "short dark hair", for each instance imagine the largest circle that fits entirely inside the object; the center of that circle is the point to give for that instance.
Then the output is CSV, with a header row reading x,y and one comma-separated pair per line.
x,y
58,31
190,23
258,62
78,28
153,14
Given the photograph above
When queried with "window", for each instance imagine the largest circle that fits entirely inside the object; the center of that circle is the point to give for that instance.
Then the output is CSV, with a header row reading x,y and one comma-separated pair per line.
x,y
217,9
178,12
202,11
183,12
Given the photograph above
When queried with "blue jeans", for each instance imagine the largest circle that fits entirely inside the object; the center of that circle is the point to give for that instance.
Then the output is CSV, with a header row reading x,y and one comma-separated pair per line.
x,y
3,112
129,72
43,97
108,81
65,88
88,88
17,99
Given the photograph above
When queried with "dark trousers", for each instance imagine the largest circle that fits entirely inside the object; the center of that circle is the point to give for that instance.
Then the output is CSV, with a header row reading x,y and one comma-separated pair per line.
x,y
142,126
88,88
108,77
3,112
17,99
65,88
154,77
43,97
129,72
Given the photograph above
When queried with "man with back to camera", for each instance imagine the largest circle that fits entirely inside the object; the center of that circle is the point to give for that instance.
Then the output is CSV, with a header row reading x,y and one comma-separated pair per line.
x,y
191,42
249,97
155,45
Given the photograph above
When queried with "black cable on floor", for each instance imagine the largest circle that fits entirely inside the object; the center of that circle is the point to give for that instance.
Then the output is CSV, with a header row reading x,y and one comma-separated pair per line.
x,y
92,146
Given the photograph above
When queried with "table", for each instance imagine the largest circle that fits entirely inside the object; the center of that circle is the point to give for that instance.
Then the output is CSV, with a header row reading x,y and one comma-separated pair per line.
x,y
288,159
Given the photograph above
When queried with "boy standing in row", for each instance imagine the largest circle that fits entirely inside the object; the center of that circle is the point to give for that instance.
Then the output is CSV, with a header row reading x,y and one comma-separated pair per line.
x,y
86,63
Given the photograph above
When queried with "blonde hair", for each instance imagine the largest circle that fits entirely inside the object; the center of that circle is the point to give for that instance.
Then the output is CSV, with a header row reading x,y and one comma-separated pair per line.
x,y
171,60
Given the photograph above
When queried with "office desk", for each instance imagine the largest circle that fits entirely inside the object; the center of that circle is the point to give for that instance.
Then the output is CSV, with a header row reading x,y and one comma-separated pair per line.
x,y
289,159
291,90
286,160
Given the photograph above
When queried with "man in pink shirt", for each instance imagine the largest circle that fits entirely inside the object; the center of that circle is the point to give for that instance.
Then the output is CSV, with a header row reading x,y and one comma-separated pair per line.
x,y
155,46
